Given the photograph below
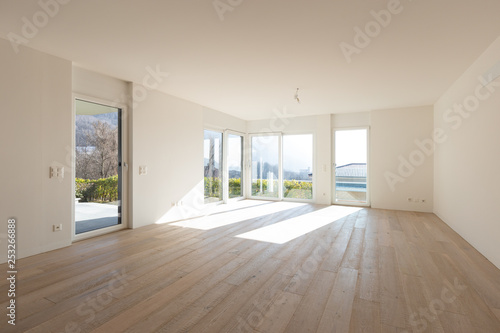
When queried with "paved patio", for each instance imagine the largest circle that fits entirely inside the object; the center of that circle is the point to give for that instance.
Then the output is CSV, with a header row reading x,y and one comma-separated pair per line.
x,y
92,216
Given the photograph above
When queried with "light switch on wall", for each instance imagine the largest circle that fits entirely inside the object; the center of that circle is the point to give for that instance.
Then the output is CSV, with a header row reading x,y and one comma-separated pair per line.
x,y
57,172
143,170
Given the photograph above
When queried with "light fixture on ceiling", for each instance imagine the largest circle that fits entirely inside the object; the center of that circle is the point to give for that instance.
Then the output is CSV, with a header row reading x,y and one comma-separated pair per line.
x,y
297,96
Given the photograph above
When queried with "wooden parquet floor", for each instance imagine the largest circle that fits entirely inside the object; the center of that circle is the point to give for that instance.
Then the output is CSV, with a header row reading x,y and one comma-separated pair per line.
x,y
264,267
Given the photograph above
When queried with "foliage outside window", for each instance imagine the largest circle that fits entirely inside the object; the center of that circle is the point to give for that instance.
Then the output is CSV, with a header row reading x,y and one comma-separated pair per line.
x,y
96,157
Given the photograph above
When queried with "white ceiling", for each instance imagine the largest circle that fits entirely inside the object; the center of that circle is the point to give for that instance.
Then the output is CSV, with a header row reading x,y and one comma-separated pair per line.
x,y
251,63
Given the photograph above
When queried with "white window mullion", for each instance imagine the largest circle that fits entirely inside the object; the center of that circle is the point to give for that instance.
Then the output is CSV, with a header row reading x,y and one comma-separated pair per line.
x,y
225,169
280,167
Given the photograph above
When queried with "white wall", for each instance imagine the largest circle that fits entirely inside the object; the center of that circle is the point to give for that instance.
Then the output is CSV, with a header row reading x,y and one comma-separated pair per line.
x,y
467,163
99,86
399,168
35,133
168,140
346,120
323,160
167,137
218,120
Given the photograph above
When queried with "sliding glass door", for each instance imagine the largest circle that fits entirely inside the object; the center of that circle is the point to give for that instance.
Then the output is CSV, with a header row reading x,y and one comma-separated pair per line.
x,y
98,166
351,166
223,166
298,166
266,166
282,166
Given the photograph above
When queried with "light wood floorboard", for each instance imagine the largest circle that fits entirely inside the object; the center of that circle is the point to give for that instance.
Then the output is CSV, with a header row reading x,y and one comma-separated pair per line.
x,y
370,271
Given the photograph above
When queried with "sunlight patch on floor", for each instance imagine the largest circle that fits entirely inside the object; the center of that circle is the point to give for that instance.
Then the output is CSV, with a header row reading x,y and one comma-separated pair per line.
x,y
285,231
238,214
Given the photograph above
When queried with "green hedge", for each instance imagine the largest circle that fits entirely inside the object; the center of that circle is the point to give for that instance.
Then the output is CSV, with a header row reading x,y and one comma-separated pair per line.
x,y
256,188
235,187
292,189
99,190
213,187
297,189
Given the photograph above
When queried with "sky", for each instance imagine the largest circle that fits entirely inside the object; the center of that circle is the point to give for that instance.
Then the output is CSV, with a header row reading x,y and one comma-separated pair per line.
x,y
297,152
350,146
234,151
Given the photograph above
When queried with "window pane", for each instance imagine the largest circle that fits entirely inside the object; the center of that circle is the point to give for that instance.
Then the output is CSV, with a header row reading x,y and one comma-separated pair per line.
x,y
213,166
98,183
235,165
297,166
265,175
351,171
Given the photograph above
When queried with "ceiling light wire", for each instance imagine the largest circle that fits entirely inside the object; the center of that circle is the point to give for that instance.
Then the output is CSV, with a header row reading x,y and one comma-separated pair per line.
x,y
297,96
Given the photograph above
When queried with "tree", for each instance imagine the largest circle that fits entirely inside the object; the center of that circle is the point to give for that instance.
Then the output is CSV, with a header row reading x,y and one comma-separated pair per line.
x,y
99,157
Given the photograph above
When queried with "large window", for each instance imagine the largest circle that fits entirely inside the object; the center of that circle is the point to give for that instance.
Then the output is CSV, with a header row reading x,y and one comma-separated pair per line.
x,y
265,166
213,166
297,166
282,166
235,165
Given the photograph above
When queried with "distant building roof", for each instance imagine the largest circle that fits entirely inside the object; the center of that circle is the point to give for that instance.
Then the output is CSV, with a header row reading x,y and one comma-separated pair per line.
x,y
351,170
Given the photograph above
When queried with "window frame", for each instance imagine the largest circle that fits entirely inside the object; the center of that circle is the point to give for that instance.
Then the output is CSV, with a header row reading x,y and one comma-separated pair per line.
x,y
249,183
280,136
313,167
225,154
124,174
217,130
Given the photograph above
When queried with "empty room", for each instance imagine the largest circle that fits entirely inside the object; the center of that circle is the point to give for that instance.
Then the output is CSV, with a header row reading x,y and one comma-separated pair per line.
x,y
250,166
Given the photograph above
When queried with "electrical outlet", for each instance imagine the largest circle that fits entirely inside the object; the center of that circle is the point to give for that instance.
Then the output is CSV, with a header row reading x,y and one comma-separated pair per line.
x,y
57,227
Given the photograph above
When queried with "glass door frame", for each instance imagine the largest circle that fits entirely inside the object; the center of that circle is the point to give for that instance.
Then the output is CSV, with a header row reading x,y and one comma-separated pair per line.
x,y
334,165
122,167
225,177
281,180
280,165
313,167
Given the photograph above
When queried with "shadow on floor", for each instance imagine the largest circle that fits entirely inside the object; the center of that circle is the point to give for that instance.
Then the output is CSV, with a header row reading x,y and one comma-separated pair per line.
x,y
94,224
